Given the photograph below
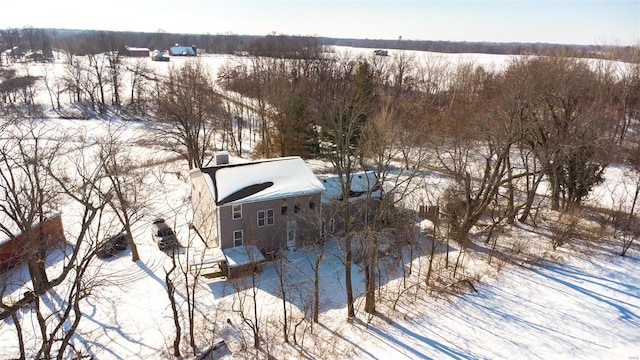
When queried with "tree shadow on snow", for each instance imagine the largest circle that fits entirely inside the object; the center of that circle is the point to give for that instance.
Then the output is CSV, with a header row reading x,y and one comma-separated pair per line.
x,y
626,310
409,347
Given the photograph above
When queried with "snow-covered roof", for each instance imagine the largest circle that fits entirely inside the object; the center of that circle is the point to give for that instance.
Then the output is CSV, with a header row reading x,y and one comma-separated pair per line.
x,y
261,180
242,255
361,184
182,50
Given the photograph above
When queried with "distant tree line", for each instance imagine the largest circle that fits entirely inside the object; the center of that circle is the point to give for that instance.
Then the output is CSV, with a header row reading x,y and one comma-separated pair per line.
x,y
498,48
44,40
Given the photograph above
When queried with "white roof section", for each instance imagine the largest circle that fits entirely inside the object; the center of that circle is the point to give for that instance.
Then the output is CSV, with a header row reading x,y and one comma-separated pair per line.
x,y
182,50
361,183
243,255
261,180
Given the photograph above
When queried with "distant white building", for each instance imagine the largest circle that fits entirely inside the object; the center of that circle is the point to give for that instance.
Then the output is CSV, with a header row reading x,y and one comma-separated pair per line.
x,y
182,50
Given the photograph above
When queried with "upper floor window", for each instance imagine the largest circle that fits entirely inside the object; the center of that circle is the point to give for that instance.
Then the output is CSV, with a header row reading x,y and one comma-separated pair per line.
x,y
283,207
270,214
237,211
265,217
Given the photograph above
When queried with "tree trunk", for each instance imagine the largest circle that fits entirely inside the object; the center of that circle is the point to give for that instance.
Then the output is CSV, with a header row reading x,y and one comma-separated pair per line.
x,y
16,322
371,260
370,289
135,256
531,196
174,309
347,278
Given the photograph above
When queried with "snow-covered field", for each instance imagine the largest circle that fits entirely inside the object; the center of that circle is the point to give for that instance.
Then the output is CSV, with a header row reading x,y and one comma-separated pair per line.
x,y
570,306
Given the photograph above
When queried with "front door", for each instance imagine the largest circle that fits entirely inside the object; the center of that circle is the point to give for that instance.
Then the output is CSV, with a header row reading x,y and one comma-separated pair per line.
x,y
292,226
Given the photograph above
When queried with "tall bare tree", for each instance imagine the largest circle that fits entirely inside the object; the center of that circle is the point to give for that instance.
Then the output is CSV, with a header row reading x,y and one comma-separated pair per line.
x,y
28,194
188,104
141,78
385,141
342,132
124,188
36,179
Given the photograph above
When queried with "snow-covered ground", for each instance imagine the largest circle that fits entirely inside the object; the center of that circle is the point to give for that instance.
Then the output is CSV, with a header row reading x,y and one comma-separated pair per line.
x,y
577,306
572,305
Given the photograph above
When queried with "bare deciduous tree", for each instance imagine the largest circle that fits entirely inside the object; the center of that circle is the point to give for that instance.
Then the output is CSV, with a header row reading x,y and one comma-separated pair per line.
x,y
188,104
570,134
384,143
141,78
36,184
246,305
342,132
171,293
28,194
124,191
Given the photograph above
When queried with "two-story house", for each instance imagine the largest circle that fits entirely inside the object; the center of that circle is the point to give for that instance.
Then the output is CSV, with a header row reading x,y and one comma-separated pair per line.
x,y
271,203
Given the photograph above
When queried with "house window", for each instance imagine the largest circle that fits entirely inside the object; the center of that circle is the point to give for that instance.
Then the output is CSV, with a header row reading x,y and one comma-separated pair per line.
x,y
283,207
296,208
270,214
312,203
237,211
237,238
265,217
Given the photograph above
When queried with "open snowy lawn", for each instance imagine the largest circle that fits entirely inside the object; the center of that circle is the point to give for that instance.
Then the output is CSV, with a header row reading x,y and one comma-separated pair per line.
x,y
585,309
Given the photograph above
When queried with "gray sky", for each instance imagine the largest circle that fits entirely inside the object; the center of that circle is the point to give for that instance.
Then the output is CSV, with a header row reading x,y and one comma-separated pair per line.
x,y
611,22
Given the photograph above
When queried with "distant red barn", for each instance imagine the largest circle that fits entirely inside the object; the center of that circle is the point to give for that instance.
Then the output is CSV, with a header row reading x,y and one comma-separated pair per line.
x,y
11,249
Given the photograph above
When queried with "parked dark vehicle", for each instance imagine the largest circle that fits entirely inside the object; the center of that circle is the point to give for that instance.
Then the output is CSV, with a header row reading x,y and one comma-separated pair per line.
x,y
163,235
113,245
